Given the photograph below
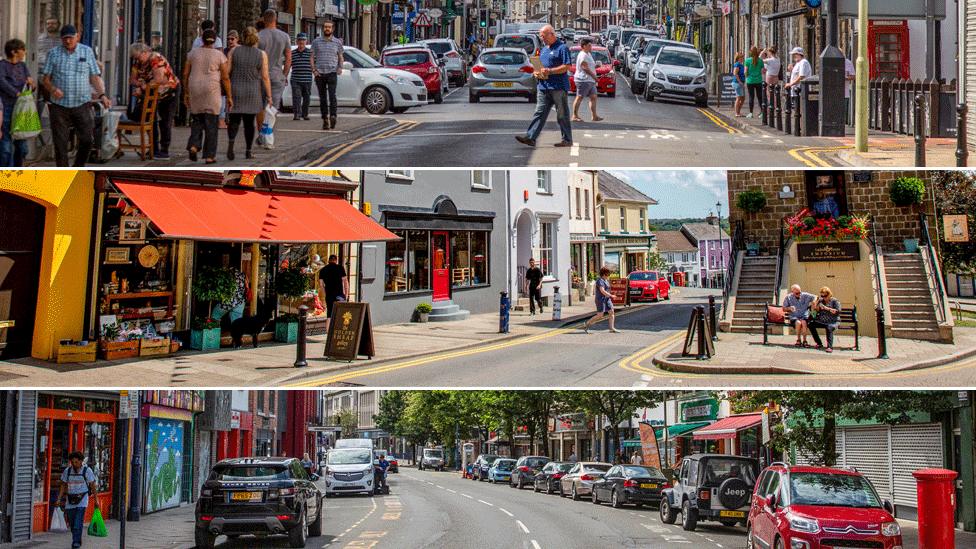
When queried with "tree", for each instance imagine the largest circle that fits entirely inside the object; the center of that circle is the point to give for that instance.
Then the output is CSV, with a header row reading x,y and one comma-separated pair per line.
x,y
390,408
955,193
810,417
615,406
349,422
656,263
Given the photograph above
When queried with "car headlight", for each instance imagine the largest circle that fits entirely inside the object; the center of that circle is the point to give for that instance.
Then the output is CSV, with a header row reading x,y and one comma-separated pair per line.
x,y
700,79
890,529
642,64
658,74
398,79
803,524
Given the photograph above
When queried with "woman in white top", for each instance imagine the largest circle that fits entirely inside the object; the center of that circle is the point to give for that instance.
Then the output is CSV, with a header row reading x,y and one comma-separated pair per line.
x,y
771,69
585,79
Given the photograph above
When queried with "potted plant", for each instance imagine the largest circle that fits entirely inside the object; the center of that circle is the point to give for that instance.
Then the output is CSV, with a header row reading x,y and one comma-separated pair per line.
x,y
751,201
291,284
423,311
590,283
908,192
211,285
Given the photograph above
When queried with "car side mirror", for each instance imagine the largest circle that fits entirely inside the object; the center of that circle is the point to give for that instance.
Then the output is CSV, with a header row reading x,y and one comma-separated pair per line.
x,y
772,501
888,507
347,66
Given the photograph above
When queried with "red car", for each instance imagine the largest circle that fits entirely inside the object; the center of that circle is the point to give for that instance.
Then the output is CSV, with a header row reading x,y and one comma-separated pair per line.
x,y
394,464
607,81
421,62
649,286
818,508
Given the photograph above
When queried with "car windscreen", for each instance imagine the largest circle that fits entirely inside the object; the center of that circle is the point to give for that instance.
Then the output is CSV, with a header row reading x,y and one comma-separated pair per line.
x,y
642,276
717,470
505,464
599,56
503,58
439,48
488,458
404,58
521,42
638,471
352,456
237,473
359,59
680,58
433,453
565,467
832,490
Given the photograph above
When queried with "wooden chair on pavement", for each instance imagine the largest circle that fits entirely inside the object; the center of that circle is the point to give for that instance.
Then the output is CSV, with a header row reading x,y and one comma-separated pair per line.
x,y
143,126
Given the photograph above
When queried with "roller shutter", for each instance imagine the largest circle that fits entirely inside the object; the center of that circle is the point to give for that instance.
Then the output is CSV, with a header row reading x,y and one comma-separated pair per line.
x,y
26,433
970,67
868,449
913,447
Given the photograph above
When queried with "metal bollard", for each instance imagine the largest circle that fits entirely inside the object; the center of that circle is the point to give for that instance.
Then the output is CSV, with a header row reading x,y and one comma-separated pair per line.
x,y
557,304
300,361
789,112
779,107
762,103
712,317
882,338
962,147
919,129
702,353
504,312
796,115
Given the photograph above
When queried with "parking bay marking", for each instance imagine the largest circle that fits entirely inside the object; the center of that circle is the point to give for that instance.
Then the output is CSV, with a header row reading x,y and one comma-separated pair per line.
x,y
502,509
522,526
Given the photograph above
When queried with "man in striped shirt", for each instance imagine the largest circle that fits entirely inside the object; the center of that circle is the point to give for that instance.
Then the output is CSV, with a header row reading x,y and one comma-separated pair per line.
x,y
327,66
301,76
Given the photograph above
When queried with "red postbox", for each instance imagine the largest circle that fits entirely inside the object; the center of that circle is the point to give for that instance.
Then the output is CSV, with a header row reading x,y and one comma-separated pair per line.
x,y
936,508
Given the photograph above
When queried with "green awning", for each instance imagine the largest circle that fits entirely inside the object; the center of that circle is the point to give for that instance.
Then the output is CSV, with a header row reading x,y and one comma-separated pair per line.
x,y
633,443
680,429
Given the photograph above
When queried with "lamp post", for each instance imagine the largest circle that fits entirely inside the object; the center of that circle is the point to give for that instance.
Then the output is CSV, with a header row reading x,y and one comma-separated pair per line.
x,y
721,242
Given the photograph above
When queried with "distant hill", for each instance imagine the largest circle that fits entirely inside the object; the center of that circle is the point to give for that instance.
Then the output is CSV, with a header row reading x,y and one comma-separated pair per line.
x,y
672,224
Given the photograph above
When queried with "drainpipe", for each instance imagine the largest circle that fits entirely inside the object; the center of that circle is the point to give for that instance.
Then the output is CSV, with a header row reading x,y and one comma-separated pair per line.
x,y
508,220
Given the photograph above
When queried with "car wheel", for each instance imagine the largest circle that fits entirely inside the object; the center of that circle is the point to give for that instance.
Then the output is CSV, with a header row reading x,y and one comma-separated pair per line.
x,y
689,517
473,98
315,529
750,542
668,515
615,500
521,484
701,103
778,544
298,535
667,296
203,538
548,488
399,110
639,505
376,100
574,494
438,98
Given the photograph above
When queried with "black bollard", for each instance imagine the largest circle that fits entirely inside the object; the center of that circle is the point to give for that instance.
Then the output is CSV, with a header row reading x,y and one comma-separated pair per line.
x,y
779,107
919,131
882,339
713,317
702,353
962,151
762,103
788,112
300,361
796,115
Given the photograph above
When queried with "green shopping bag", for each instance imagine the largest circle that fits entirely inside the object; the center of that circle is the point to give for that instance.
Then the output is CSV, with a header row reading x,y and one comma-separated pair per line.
x,y
26,122
97,527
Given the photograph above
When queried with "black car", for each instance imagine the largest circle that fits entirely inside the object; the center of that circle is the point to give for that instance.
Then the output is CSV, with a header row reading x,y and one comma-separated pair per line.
x,y
479,469
548,478
710,487
259,496
526,468
635,484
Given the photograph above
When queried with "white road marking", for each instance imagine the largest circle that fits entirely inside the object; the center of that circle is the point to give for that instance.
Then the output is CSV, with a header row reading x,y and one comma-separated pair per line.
x,y
486,503
574,150
506,512
522,526
467,496
439,486
535,545
452,491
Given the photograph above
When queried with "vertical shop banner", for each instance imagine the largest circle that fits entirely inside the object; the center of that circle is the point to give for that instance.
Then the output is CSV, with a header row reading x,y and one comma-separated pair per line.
x,y
650,454
164,464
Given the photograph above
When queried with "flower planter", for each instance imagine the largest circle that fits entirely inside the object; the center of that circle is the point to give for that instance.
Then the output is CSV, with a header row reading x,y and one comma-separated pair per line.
x,y
911,245
286,332
205,340
154,347
423,317
117,350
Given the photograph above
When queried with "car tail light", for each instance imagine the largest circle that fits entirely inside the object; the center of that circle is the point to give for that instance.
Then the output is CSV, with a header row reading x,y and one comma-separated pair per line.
x,y
477,69
587,477
206,518
287,492
558,475
630,484
282,517
525,469
665,485
432,69
704,495
452,54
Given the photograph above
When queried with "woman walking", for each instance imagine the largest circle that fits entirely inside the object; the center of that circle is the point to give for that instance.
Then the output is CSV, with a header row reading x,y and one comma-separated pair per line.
x,y
14,77
604,302
251,88
206,70
739,83
754,78
150,68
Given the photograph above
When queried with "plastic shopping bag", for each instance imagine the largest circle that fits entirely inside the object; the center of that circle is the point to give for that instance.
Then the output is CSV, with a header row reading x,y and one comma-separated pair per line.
x,y
97,527
58,524
26,122
267,127
109,143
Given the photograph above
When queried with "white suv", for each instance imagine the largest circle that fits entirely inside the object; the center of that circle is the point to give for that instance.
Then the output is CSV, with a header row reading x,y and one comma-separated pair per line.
x,y
447,49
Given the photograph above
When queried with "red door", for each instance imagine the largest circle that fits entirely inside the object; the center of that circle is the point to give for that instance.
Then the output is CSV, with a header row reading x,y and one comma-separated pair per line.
x,y
440,256
888,50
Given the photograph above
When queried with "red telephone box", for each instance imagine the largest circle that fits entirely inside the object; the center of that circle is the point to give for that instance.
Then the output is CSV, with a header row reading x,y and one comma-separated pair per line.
x,y
678,278
888,49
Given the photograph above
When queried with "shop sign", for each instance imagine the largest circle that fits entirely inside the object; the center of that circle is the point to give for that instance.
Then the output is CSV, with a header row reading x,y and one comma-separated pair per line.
x,y
128,404
350,332
618,289
955,228
698,410
235,419
828,251
569,422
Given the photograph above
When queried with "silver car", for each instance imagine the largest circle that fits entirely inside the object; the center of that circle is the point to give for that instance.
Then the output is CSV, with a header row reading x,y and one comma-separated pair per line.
x,y
502,72
528,42
678,72
447,49
579,480
646,59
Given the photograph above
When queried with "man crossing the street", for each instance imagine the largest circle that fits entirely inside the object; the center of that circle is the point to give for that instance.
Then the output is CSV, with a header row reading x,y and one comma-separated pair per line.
x,y
553,89
301,76
327,67
533,277
78,481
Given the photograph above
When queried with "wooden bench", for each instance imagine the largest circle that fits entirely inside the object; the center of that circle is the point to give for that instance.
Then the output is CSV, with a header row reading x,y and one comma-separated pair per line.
x,y
775,316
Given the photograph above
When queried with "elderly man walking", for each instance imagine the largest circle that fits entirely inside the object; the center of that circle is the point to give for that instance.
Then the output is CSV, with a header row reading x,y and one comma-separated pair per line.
x,y
553,86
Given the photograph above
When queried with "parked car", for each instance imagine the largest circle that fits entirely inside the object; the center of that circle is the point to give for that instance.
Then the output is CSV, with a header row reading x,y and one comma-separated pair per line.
x,y
626,35
567,33
447,48
814,507
349,471
607,77
526,468
648,285
678,72
367,84
479,469
423,62
394,465
579,480
259,496
715,487
432,458
548,478
636,47
530,43
612,39
625,484
501,470
638,80
502,72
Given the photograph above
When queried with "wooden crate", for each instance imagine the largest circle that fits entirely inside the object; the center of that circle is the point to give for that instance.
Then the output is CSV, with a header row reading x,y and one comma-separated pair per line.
x,y
68,353
154,347
116,350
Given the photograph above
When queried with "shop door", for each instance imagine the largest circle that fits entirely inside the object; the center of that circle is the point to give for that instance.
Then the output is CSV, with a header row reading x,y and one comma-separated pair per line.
x,y
20,259
440,255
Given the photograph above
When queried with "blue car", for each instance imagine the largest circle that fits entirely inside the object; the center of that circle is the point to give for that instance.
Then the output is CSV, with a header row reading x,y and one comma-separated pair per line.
x,y
501,470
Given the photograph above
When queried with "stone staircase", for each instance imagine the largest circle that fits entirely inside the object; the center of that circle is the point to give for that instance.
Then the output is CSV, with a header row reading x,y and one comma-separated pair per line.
x,y
910,298
757,276
446,311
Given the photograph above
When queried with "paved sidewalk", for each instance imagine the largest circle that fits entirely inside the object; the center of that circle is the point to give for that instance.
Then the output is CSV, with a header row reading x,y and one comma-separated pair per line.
x,y
738,353
271,363
297,142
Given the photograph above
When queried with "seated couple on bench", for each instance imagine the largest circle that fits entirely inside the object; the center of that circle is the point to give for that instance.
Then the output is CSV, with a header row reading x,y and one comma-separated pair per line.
x,y
806,312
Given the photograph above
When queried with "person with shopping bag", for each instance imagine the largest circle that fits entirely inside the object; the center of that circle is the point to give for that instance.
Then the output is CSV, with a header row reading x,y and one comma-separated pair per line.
x,y
77,482
15,81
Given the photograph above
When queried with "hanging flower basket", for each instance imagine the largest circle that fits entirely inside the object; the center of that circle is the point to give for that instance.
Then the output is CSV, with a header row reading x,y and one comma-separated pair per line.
x,y
804,226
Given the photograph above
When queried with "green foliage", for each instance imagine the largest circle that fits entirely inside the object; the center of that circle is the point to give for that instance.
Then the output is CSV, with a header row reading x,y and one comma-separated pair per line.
x,y
349,422
656,263
424,308
200,323
955,193
907,191
751,201
292,283
212,284
616,406
674,224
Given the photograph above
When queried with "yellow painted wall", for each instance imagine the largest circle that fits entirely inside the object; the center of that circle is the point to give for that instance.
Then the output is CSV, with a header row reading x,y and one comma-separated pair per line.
x,y
632,217
68,197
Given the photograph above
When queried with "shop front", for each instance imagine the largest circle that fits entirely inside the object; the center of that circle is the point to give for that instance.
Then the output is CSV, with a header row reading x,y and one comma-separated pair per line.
x,y
168,447
738,435
239,441
76,422
571,435
623,254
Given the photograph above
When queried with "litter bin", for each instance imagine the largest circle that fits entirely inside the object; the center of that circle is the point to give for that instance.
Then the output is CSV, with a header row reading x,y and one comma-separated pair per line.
x,y
810,106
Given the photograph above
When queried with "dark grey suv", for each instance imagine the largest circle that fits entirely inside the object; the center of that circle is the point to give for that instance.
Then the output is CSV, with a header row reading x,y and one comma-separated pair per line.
x,y
714,487
526,468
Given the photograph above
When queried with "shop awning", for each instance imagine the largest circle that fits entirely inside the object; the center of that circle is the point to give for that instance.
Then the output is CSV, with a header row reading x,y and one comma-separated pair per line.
x,y
728,427
680,429
238,215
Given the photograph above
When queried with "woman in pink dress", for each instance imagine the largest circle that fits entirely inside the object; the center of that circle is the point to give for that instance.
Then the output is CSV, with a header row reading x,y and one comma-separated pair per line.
x,y
206,70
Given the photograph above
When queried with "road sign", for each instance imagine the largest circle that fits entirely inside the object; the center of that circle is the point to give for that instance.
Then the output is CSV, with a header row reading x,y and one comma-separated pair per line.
x,y
398,17
422,20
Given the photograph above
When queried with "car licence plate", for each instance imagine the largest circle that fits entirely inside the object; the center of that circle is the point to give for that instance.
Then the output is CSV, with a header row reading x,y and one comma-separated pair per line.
x,y
246,496
732,514
501,84
647,486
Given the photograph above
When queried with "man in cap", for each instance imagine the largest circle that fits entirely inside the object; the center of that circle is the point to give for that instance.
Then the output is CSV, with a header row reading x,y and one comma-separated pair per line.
x,y
301,76
801,70
72,79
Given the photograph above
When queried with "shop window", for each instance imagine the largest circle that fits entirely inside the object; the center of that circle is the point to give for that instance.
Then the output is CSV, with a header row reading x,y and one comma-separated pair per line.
x,y
99,406
481,179
460,259
59,402
545,247
402,175
543,181
418,259
98,453
396,265
41,463
826,193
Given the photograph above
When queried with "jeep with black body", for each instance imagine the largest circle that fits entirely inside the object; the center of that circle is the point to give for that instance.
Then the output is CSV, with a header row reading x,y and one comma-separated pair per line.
x,y
714,487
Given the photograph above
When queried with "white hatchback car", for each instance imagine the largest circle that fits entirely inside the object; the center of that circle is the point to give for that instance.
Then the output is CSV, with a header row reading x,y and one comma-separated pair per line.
x,y
367,84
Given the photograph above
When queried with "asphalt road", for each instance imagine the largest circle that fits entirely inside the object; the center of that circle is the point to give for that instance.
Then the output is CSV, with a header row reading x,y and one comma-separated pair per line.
x,y
634,132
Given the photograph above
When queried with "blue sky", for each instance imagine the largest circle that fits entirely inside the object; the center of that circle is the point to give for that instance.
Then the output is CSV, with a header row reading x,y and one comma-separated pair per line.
x,y
680,193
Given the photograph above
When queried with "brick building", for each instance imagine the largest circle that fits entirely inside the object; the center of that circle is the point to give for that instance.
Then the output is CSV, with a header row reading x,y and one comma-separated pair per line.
x,y
264,406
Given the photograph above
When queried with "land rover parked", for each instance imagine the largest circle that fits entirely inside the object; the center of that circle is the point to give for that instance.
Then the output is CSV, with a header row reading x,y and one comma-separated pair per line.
x,y
713,487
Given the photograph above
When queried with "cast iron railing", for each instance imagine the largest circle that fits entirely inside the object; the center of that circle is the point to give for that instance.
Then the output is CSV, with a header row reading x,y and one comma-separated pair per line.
x,y
935,274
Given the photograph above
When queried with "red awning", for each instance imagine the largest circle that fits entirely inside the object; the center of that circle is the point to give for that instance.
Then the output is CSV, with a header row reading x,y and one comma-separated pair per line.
x,y
728,427
239,215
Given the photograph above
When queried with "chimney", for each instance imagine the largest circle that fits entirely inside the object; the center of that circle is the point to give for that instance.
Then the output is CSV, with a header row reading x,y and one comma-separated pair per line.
x,y
711,219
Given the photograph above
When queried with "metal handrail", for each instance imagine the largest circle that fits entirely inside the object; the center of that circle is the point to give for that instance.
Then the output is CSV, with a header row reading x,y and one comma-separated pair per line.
x,y
873,239
934,271
738,244
779,260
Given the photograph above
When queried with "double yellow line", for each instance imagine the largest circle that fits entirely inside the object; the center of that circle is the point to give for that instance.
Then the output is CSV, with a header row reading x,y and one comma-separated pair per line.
x,y
329,157
633,363
718,121
811,155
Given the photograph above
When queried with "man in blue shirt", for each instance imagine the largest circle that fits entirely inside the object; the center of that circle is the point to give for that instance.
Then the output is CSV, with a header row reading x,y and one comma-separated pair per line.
x,y
553,80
